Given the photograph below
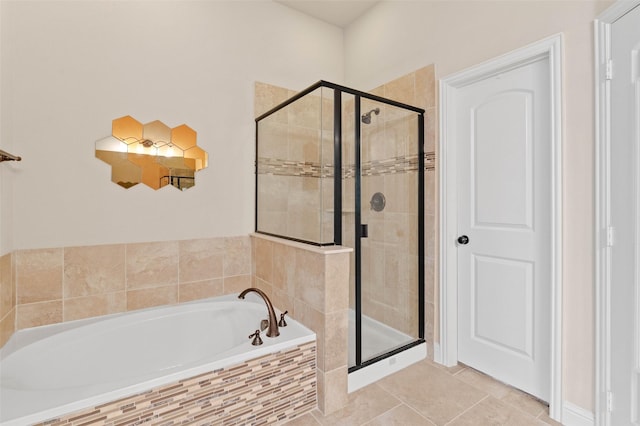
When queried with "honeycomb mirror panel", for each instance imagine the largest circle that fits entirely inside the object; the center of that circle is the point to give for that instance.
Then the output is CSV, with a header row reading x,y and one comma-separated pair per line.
x,y
152,154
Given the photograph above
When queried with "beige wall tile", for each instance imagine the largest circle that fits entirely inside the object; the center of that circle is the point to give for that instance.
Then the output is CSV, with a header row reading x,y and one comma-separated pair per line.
x,y
39,275
430,130
263,285
201,259
336,331
94,270
304,144
95,305
315,320
236,284
268,96
430,321
402,89
430,192
7,285
237,256
200,290
429,280
337,282
284,265
430,236
152,264
263,259
272,137
306,111
335,387
37,314
425,87
148,297
309,278
7,326
283,302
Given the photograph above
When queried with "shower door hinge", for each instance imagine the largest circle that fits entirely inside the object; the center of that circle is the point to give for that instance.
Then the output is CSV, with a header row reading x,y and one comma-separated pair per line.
x,y
611,236
609,70
609,401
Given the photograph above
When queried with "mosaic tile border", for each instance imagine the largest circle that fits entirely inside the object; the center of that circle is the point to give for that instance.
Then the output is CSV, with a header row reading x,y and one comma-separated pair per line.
x,y
402,164
269,390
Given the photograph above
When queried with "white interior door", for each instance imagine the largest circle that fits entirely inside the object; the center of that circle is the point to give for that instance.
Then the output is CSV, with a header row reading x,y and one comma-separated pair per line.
x,y
504,172
624,210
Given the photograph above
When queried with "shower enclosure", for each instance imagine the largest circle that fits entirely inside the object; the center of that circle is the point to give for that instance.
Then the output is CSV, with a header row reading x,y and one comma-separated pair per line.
x,y
337,166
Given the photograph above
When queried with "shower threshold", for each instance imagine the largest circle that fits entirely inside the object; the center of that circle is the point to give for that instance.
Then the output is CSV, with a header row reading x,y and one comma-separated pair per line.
x,y
379,339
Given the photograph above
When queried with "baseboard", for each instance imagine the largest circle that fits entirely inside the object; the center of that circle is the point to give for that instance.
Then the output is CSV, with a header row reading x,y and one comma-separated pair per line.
x,y
572,415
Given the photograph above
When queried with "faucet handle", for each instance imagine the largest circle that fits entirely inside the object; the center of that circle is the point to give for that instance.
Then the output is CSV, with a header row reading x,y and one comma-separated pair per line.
x,y
282,322
256,338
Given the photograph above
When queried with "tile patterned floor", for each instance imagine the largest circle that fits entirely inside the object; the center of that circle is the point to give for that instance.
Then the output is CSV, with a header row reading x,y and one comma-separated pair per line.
x,y
429,394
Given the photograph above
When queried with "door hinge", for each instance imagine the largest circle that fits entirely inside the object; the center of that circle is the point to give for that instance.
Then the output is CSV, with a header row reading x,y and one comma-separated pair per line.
x,y
609,401
609,70
611,236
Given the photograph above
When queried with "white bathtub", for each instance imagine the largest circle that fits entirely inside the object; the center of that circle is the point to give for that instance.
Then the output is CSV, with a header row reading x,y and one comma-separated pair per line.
x,y
53,370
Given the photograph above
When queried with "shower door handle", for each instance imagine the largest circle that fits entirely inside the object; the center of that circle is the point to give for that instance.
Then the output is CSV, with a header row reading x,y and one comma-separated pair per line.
x,y
364,230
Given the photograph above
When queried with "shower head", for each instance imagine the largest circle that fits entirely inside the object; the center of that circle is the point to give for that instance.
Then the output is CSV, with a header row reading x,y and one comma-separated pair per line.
x,y
366,118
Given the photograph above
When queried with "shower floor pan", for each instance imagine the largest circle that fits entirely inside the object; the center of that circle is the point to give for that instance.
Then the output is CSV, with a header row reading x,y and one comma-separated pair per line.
x,y
378,339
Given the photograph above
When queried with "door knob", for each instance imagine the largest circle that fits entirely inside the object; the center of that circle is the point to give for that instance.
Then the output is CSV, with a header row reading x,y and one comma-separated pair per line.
x,y
463,239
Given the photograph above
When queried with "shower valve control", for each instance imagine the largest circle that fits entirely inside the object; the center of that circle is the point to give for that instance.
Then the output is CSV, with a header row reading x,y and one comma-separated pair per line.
x,y
463,240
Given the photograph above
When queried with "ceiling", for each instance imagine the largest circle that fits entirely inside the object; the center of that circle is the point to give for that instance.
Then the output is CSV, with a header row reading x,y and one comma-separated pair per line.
x,y
336,12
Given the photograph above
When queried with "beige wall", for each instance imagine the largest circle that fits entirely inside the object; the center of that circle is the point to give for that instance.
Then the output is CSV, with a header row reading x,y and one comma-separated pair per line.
x,y
397,37
69,68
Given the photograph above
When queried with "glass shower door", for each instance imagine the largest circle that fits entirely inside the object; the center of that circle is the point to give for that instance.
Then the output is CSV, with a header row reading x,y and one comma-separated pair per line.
x,y
386,186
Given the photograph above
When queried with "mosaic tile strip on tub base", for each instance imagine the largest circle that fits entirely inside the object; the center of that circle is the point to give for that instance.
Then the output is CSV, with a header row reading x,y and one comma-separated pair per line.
x,y
263,391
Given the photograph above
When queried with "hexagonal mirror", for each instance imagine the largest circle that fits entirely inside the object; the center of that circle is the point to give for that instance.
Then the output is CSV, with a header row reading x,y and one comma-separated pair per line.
x,y
153,154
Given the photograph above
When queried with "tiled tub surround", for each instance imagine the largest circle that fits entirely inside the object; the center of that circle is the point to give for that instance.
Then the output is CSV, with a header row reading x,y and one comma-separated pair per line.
x,y
312,283
190,361
48,286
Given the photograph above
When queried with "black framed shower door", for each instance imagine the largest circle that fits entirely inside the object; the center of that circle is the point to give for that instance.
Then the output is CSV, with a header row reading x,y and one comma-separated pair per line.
x,y
360,174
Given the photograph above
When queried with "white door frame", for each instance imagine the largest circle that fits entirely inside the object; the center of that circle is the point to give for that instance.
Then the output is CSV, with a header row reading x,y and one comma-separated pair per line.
x,y
602,205
447,351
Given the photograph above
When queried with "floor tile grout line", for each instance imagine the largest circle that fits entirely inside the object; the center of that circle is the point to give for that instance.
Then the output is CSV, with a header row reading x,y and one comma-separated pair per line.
x,y
464,411
382,414
420,414
502,399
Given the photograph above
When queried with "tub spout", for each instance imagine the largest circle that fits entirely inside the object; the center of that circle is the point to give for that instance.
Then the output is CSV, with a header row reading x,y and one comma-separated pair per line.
x,y
273,323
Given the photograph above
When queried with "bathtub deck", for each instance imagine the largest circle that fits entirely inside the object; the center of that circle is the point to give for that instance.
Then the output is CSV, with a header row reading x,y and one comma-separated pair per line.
x,y
265,390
